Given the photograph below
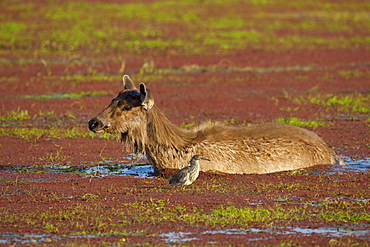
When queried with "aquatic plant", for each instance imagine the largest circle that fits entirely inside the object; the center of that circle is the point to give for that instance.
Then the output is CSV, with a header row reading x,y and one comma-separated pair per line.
x,y
297,122
71,26
354,102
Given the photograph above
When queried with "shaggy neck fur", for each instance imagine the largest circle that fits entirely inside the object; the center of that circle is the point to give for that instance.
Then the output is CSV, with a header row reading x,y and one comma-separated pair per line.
x,y
159,132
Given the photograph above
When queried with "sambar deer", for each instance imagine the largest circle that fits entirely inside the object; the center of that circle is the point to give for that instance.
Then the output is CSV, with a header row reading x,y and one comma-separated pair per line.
x,y
265,148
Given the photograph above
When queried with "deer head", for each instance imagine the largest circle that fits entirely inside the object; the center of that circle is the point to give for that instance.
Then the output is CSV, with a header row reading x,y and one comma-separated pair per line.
x,y
126,112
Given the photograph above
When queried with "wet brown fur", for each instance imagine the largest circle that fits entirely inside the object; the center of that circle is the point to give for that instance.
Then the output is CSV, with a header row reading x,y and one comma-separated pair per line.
x,y
264,148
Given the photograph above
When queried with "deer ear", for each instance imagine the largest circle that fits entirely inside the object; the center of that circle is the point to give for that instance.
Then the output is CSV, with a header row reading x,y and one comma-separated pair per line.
x,y
127,82
146,97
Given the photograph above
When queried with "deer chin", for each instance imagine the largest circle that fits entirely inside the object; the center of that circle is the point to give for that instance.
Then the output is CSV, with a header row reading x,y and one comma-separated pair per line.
x,y
101,131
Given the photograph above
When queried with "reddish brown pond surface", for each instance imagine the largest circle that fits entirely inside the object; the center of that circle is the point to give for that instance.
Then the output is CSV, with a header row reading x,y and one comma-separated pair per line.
x,y
74,190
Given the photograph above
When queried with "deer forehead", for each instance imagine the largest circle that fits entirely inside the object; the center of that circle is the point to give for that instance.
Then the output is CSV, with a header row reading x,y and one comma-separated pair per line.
x,y
129,97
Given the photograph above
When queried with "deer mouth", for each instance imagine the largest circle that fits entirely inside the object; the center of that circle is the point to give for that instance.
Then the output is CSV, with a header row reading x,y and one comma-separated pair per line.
x,y
99,131
104,129
97,126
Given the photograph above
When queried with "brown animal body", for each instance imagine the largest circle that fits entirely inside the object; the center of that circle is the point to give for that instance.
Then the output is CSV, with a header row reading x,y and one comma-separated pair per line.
x,y
264,148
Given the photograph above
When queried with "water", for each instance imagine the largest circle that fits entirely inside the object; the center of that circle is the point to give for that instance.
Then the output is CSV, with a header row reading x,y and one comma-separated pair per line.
x,y
137,170
132,165
183,237
180,237
26,239
334,232
12,239
141,170
136,166
361,165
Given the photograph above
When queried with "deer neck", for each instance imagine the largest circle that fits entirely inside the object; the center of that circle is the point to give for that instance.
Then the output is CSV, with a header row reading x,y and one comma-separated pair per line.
x,y
161,132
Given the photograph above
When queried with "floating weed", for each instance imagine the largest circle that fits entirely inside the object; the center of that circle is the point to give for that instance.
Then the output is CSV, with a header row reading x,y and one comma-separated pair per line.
x,y
187,125
16,181
289,109
70,22
22,133
49,113
88,197
159,211
243,216
52,132
297,122
50,228
344,216
194,68
348,74
10,31
75,218
354,102
72,95
96,77
22,125
17,115
55,157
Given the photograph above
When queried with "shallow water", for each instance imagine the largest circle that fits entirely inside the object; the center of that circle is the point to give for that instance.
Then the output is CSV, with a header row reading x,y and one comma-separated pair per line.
x,y
10,239
137,170
361,165
26,239
178,237
136,166
141,170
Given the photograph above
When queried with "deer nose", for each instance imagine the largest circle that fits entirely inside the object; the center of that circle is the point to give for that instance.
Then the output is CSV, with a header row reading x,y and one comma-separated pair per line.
x,y
93,124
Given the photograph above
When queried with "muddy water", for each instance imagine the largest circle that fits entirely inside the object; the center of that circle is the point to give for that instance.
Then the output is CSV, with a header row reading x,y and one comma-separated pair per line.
x,y
183,237
143,170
